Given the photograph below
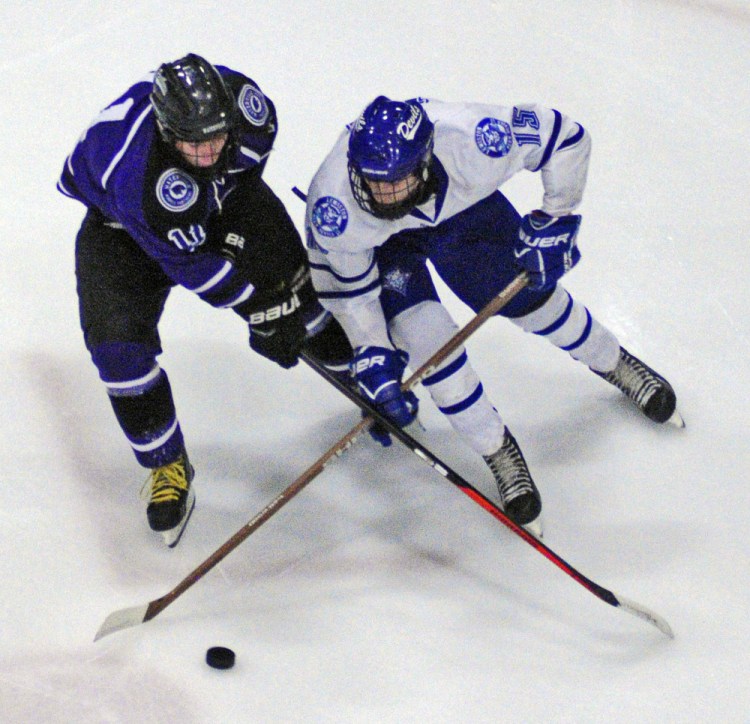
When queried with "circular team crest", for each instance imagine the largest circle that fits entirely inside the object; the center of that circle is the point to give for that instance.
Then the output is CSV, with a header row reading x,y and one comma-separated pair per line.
x,y
176,190
493,137
253,105
329,216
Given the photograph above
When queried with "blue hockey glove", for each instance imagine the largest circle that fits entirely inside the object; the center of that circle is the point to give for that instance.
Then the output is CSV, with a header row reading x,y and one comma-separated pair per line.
x,y
379,433
378,371
546,248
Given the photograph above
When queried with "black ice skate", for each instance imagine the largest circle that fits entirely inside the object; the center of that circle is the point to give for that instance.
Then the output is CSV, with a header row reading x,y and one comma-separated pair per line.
x,y
518,494
652,394
171,499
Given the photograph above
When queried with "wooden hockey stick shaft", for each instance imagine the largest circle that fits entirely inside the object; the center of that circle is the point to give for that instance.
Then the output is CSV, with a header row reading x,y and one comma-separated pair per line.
x,y
125,618
423,453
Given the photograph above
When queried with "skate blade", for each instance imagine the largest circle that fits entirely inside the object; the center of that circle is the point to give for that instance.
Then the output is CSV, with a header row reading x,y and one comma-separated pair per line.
x,y
535,528
676,420
172,536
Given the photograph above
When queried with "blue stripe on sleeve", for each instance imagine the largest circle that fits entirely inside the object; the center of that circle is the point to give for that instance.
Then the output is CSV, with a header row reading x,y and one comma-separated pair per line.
x,y
552,141
339,277
577,136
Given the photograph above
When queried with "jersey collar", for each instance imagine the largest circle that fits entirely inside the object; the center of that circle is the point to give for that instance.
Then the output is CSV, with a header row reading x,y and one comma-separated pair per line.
x,y
440,181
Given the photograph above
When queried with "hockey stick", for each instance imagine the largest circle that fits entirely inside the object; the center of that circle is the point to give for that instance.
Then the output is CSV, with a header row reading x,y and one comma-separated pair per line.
x,y
127,617
465,487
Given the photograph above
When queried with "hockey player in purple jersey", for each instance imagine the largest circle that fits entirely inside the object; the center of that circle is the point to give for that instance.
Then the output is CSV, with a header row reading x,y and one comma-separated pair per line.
x,y
418,180
171,173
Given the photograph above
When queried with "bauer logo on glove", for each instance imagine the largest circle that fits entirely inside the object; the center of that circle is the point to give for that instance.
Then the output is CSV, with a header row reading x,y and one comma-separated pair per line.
x,y
277,328
360,364
289,306
546,248
378,371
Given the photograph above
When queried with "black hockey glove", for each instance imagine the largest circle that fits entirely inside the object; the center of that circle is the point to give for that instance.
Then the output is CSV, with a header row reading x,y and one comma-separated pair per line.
x,y
277,328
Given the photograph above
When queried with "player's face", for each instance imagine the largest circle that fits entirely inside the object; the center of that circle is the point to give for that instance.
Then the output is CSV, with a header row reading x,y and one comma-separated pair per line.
x,y
202,154
387,193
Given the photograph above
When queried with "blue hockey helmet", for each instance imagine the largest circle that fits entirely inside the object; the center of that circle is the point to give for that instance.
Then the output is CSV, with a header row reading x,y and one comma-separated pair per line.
x,y
389,142
191,101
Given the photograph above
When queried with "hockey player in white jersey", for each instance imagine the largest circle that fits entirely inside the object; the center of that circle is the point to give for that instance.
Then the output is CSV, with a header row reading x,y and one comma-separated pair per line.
x,y
415,180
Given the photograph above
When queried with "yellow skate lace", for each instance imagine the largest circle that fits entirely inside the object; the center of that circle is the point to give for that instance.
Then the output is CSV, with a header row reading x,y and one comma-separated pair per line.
x,y
166,482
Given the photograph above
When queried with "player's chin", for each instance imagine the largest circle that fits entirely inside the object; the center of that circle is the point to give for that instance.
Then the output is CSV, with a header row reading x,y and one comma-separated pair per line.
x,y
208,162
209,172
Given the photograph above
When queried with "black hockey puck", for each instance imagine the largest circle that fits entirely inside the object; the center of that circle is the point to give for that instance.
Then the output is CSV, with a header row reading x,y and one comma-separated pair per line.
x,y
220,657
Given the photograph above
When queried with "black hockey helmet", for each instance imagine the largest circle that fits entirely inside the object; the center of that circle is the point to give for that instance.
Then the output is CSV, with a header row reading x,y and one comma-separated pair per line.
x,y
191,100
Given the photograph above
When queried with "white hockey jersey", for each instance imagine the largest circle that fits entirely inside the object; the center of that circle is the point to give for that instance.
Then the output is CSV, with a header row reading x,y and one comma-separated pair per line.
x,y
480,146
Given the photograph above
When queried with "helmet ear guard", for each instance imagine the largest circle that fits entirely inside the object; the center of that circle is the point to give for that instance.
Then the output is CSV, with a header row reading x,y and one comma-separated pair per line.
x,y
391,141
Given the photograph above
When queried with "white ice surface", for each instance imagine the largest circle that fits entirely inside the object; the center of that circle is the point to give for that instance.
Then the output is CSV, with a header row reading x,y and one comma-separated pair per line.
x,y
380,593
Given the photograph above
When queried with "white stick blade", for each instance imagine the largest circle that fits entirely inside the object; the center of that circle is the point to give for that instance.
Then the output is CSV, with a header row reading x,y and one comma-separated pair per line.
x,y
646,614
124,618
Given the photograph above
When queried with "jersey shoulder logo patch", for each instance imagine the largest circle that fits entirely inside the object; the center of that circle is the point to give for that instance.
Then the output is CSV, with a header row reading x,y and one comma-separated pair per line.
x,y
329,216
493,137
176,190
253,105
